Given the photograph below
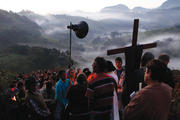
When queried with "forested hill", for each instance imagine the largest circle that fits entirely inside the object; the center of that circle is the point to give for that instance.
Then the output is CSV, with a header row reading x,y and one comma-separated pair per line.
x,y
17,34
26,59
17,29
10,20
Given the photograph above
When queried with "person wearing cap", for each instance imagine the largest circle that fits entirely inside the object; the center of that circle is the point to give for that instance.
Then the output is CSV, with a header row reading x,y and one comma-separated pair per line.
x,y
35,101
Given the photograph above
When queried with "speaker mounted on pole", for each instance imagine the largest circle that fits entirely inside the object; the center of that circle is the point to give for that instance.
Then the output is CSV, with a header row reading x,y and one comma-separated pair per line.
x,y
81,29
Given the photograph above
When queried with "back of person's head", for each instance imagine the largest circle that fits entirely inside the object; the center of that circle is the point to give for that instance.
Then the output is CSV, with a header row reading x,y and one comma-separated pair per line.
x,y
164,58
86,71
82,80
110,66
61,74
147,57
99,65
30,83
118,59
158,70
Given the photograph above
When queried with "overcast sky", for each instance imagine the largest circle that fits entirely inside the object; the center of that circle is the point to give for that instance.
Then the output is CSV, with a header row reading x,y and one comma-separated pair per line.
x,y
62,6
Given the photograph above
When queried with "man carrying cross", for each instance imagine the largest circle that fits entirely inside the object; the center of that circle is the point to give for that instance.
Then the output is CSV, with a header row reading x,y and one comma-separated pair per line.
x,y
133,57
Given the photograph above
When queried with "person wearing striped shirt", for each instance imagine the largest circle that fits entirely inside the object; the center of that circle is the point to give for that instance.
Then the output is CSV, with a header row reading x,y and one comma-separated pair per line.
x,y
100,92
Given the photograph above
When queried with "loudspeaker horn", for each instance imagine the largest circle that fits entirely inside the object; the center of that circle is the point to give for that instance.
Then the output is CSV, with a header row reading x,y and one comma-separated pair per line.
x,y
80,29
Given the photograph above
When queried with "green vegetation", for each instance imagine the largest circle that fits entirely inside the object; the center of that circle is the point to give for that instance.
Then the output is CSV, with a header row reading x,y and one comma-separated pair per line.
x,y
16,31
26,59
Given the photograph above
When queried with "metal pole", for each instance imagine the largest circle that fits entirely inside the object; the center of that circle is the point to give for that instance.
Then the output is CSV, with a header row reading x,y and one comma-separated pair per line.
x,y
70,60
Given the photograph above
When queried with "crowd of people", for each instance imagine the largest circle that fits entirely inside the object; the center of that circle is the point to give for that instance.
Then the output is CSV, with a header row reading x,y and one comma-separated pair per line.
x,y
92,95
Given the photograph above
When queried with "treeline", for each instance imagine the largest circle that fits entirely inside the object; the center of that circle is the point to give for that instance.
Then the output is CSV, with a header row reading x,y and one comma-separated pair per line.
x,y
25,59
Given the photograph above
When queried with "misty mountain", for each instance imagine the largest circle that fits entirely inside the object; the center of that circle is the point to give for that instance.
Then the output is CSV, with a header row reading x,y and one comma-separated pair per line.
x,y
116,9
124,9
17,29
24,48
38,19
164,16
168,41
20,30
10,20
140,10
156,25
120,19
170,4
53,24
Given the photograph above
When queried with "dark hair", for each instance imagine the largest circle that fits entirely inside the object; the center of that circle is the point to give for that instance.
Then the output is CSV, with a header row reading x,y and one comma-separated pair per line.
x,y
110,66
148,56
164,58
60,74
118,59
158,70
82,81
86,71
100,65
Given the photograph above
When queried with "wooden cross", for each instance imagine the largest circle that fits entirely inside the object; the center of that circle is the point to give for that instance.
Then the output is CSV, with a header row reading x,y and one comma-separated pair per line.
x,y
130,82
134,41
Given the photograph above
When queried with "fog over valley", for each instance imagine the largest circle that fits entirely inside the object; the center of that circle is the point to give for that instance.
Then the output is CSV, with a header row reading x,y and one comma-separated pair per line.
x,y
109,28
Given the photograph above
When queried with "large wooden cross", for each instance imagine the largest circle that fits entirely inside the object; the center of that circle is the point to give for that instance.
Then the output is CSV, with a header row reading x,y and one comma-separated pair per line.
x,y
131,65
134,41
